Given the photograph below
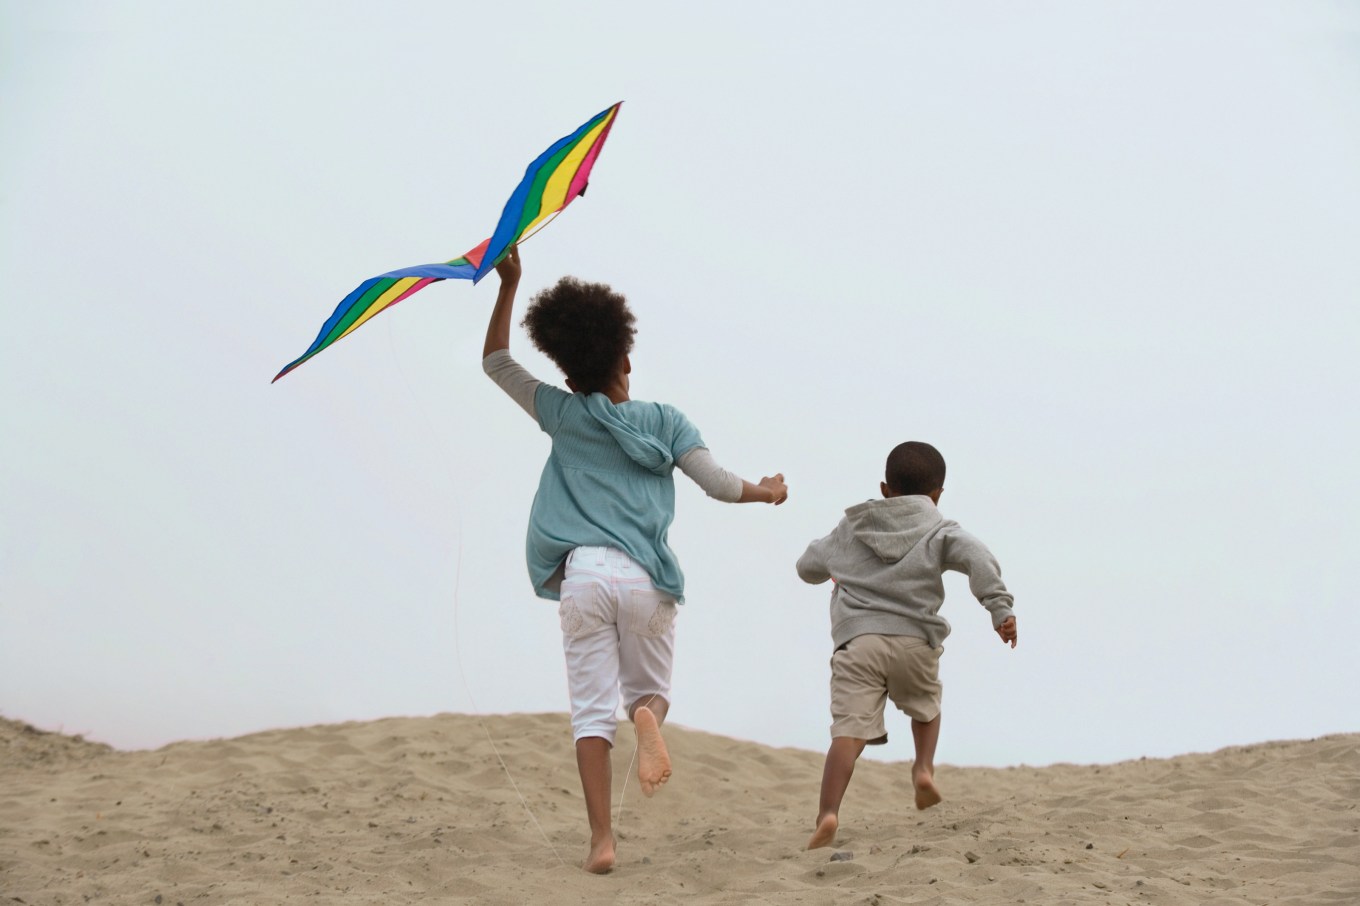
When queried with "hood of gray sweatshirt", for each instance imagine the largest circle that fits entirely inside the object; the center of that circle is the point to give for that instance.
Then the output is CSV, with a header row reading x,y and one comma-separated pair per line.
x,y
887,558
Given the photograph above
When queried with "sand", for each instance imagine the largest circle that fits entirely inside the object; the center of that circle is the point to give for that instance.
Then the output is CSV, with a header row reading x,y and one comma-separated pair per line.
x,y
410,810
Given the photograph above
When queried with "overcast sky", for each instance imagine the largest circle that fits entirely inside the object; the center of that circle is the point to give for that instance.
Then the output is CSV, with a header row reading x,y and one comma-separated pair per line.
x,y
1102,255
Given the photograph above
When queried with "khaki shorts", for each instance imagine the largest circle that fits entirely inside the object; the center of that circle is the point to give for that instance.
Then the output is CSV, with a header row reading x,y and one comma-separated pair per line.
x,y
870,669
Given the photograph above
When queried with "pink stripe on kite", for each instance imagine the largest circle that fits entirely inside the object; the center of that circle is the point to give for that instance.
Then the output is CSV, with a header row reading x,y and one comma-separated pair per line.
x,y
578,182
418,285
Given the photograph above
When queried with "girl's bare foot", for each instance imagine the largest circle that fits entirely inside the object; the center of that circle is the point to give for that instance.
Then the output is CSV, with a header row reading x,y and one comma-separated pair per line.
x,y
926,792
601,858
825,834
654,762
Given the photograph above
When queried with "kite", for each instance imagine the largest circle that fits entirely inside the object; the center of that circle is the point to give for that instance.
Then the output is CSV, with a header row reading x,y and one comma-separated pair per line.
x,y
551,182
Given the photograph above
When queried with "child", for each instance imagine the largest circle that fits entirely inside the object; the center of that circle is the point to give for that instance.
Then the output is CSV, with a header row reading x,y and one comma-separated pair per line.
x,y
886,558
597,529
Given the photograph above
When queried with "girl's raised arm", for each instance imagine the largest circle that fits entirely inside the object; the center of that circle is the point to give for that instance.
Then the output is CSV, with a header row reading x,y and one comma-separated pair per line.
x,y
498,329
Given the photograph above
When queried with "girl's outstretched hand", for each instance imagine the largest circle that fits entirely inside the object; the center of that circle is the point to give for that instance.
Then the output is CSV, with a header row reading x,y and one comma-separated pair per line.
x,y
508,267
769,490
776,487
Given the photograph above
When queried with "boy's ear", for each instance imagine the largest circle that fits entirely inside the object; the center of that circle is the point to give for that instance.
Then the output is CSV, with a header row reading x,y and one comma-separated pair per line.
x,y
571,385
935,495
627,365
887,491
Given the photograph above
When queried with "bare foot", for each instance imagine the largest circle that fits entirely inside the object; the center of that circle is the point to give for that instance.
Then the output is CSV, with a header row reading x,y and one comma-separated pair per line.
x,y
926,792
601,858
654,762
825,834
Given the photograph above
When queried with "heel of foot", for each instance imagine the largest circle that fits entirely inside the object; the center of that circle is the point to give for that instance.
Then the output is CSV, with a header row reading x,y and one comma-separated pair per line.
x,y
927,794
825,834
600,862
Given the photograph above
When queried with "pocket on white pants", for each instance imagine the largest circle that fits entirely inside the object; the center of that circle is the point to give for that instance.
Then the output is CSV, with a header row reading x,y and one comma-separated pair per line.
x,y
650,613
578,612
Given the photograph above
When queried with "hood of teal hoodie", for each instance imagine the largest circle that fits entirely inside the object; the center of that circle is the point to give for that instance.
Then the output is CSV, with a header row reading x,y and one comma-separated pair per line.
x,y
893,526
641,447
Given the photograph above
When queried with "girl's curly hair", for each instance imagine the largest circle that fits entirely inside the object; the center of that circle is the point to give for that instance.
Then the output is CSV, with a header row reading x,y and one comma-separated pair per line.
x,y
585,328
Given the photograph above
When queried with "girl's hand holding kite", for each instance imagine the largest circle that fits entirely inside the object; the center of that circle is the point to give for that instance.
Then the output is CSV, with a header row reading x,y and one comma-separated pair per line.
x,y
509,268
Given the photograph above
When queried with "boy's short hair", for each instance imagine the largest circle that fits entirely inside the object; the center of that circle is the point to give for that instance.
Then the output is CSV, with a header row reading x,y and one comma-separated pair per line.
x,y
914,468
585,328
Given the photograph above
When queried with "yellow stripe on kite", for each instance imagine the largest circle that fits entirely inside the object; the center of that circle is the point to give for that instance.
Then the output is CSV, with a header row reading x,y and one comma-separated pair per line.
x,y
394,291
555,192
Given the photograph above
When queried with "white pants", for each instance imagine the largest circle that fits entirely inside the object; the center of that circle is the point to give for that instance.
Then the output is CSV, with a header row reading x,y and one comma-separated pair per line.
x,y
618,634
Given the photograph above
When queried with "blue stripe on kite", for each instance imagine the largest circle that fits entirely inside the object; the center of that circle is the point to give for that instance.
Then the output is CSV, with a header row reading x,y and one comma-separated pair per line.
x,y
462,271
340,311
436,271
514,208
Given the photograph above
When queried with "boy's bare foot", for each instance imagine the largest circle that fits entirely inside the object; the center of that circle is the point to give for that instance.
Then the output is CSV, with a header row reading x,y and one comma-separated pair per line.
x,y
601,858
926,792
825,834
654,762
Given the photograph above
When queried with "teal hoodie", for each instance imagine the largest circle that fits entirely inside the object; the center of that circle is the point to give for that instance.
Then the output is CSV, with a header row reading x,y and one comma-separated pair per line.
x,y
888,558
607,482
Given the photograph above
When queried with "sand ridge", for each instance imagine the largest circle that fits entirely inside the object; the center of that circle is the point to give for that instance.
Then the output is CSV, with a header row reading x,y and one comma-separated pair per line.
x,y
407,810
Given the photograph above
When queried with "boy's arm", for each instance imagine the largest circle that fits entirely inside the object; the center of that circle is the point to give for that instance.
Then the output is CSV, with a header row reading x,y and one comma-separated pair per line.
x,y
968,555
1007,631
812,566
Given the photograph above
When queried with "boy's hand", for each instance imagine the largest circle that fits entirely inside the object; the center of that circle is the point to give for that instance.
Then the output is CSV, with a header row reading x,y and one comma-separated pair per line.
x,y
777,488
1007,631
508,267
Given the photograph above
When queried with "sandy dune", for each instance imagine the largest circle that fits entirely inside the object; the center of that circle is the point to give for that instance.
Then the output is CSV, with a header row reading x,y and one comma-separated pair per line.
x,y
412,810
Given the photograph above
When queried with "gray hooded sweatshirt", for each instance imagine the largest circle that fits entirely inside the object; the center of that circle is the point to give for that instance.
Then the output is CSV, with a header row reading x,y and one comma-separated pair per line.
x,y
888,558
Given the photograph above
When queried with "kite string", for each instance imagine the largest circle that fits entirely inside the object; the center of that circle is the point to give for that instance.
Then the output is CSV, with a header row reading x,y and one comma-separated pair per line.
x,y
457,636
623,790
458,654
523,239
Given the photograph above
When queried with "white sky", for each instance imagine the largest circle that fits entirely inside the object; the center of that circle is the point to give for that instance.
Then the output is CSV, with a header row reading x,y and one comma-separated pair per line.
x,y
1102,255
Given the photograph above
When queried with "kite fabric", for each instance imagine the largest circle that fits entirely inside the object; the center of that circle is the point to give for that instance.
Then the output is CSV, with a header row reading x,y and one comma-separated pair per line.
x,y
551,182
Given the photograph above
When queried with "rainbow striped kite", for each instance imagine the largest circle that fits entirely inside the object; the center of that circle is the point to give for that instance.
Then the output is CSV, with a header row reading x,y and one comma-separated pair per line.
x,y
556,176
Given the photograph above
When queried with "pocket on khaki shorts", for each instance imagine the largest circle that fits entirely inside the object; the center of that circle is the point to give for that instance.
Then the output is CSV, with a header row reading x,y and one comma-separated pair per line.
x,y
649,613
